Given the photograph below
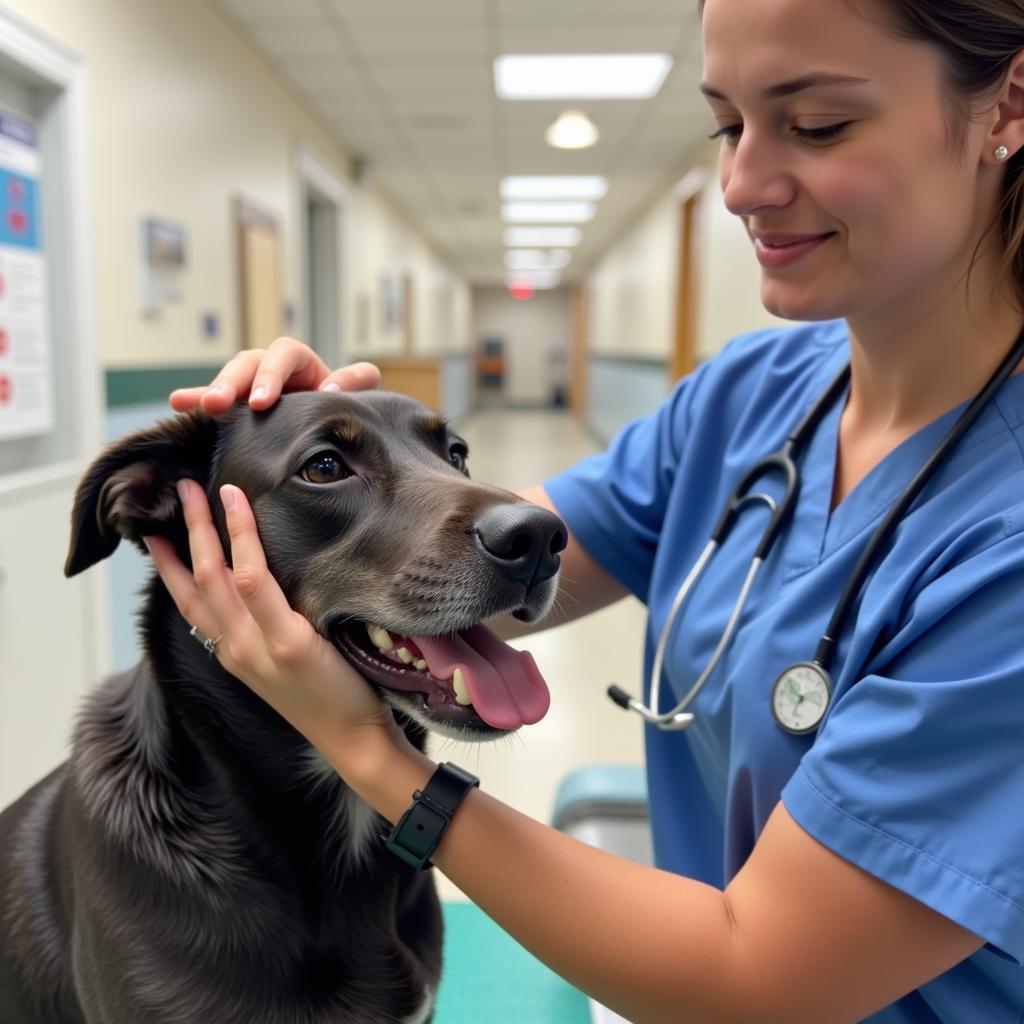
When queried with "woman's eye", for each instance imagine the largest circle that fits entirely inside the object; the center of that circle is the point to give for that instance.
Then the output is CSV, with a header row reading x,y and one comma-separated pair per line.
x,y
457,457
730,131
324,469
823,134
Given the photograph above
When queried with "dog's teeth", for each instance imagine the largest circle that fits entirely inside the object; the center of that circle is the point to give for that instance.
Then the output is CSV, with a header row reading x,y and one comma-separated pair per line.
x,y
380,637
405,654
461,693
420,664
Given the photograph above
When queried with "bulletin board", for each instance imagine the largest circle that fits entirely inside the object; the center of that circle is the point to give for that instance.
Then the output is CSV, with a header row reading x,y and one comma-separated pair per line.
x,y
26,403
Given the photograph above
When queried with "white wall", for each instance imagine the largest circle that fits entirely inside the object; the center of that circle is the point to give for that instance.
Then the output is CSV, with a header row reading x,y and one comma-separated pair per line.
x,y
631,292
632,289
184,114
531,329
728,274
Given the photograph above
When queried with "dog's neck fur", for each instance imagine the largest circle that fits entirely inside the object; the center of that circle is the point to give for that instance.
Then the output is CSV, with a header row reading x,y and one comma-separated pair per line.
x,y
226,743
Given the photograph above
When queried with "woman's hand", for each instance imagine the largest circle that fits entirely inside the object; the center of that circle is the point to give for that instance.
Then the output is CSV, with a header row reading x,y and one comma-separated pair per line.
x,y
263,374
262,640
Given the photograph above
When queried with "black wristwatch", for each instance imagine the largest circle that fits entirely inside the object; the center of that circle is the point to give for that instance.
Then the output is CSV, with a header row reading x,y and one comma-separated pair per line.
x,y
417,834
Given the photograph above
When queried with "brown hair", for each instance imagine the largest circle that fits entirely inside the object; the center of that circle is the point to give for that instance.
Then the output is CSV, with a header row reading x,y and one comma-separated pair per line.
x,y
978,40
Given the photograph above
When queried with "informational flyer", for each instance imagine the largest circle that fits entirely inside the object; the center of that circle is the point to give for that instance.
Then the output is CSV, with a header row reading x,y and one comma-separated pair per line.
x,y
26,402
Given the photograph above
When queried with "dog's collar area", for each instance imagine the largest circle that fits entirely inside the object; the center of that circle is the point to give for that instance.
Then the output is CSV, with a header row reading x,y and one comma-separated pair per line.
x,y
468,678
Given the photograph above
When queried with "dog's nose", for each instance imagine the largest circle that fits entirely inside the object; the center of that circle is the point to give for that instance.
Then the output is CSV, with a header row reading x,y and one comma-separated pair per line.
x,y
523,540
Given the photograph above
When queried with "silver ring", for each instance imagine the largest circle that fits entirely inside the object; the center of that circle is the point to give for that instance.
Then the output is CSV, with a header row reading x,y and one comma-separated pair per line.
x,y
208,642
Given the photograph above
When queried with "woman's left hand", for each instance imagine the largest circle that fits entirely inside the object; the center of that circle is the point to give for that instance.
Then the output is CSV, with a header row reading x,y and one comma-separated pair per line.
x,y
273,649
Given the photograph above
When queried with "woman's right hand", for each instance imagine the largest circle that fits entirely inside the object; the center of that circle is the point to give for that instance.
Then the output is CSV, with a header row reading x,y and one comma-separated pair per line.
x,y
263,374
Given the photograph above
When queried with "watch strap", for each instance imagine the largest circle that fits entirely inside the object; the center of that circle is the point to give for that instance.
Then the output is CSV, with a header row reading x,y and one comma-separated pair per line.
x,y
418,832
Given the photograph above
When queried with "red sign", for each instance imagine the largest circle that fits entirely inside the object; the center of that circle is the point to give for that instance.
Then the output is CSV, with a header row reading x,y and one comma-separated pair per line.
x,y
521,290
5,390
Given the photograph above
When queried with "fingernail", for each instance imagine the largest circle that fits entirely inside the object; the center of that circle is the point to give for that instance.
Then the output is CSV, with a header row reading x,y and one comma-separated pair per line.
x,y
182,487
149,547
216,389
331,385
258,394
228,497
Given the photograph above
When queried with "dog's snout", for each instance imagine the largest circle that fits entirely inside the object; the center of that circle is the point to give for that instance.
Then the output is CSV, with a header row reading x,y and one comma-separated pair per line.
x,y
522,540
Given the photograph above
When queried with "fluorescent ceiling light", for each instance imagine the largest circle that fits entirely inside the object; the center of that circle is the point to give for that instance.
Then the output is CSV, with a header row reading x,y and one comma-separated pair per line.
x,y
537,259
560,237
562,186
580,76
548,213
534,278
572,130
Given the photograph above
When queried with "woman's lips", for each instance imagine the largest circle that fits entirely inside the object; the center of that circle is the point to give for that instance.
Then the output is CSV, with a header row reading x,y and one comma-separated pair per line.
x,y
781,255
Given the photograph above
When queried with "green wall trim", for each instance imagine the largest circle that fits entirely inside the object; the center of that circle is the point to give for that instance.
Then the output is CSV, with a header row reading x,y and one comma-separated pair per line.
x,y
133,387
623,357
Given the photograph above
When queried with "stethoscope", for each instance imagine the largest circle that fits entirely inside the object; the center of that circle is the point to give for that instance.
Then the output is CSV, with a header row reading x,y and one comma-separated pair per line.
x,y
801,694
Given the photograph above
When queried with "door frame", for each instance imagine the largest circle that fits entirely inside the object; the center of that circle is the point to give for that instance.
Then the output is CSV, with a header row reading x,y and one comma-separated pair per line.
x,y
689,195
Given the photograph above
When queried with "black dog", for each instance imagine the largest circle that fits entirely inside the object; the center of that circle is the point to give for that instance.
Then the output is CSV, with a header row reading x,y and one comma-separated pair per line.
x,y
195,860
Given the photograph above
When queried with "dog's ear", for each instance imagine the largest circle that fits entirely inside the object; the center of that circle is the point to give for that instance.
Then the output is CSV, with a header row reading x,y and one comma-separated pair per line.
x,y
129,491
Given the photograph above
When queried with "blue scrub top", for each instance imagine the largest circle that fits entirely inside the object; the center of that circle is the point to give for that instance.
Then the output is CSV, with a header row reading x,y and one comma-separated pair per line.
x,y
917,772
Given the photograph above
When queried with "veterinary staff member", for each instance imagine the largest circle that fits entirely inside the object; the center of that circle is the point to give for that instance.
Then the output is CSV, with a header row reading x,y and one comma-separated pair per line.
x,y
872,868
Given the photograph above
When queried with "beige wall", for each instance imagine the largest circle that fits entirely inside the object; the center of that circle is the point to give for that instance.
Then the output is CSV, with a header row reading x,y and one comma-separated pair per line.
x,y
184,114
532,330
729,276
632,290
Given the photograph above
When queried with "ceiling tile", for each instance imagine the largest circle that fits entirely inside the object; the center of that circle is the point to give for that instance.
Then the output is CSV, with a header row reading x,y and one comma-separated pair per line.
x,y
303,41
419,40
255,9
549,36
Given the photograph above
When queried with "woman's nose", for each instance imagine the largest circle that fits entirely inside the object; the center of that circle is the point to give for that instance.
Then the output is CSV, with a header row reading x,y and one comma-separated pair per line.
x,y
754,176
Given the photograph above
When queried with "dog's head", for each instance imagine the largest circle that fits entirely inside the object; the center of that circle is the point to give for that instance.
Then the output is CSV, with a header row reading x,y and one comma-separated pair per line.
x,y
374,531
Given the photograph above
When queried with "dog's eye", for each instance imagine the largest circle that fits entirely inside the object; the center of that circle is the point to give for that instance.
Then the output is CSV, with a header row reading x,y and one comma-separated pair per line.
x,y
324,468
457,456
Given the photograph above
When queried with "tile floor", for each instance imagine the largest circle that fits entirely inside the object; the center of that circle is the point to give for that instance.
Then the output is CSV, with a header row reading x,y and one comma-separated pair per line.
x,y
514,449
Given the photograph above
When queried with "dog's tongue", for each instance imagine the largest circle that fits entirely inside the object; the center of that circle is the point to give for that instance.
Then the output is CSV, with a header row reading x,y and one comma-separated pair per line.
x,y
504,684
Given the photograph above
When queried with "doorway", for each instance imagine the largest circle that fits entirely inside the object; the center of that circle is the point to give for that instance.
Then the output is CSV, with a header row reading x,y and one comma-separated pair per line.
x,y
323,197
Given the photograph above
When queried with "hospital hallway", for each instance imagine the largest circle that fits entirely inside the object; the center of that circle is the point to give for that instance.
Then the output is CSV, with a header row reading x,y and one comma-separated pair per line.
x,y
515,448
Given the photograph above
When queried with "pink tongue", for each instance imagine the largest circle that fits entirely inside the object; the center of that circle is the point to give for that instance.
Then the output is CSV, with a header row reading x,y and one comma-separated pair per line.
x,y
506,688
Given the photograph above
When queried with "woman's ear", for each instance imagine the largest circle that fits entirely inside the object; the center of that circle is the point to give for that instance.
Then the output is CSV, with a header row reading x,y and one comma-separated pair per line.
x,y
129,491
1008,127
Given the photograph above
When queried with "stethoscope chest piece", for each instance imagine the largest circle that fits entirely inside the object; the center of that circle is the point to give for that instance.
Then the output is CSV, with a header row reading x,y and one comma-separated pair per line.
x,y
800,697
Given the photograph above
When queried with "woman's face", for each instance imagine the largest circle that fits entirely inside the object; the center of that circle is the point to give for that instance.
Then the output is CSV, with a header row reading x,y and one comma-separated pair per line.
x,y
862,168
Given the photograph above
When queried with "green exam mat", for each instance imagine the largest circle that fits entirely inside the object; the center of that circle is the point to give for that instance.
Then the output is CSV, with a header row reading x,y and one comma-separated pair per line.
x,y
489,977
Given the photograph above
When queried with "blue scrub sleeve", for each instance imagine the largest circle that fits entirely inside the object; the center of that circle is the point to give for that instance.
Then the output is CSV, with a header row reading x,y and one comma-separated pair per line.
x,y
615,502
917,775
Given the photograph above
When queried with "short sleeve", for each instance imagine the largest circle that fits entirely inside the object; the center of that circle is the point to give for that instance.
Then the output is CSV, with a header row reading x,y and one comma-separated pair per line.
x,y
615,502
917,775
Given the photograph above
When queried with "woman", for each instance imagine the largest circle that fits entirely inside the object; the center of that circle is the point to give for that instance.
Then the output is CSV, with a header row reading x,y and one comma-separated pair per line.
x,y
873,869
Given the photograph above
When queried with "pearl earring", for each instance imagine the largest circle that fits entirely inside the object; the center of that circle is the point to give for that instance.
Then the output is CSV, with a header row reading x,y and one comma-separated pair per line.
x,y
1001,153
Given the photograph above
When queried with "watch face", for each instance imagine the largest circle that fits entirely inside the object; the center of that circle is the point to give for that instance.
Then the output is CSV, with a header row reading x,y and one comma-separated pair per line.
x,y
800,697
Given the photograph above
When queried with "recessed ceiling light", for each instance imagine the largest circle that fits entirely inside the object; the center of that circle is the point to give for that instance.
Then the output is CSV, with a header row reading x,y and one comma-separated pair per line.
x,y
561,186
580,76
537,259
548,213
572,130
536,278
560,237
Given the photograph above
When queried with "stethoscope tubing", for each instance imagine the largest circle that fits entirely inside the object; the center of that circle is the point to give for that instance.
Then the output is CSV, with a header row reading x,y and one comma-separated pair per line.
x,y
784,460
